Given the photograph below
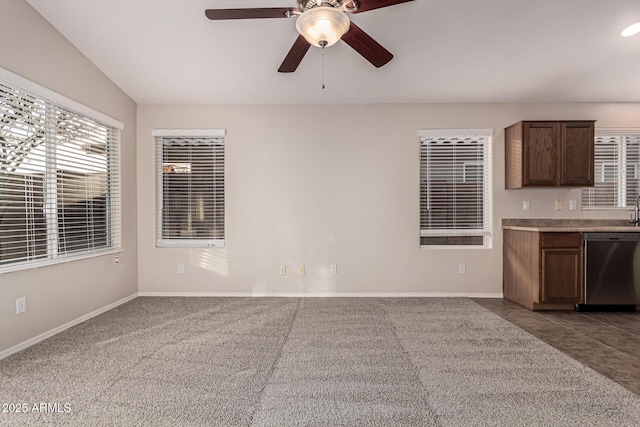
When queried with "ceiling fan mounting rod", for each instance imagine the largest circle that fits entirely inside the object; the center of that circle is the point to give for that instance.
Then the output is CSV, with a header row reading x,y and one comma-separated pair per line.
x,y
304,5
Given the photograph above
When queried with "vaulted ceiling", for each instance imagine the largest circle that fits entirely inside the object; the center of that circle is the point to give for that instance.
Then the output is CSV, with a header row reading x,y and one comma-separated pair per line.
x,y
167,51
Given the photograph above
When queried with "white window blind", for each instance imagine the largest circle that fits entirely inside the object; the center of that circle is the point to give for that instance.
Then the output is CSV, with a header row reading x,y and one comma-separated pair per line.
x,y
59,182
616,169
455,187
190,188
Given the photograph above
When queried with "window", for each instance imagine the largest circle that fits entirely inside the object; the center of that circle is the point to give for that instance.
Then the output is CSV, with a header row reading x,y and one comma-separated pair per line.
x,y
59,177
190,188
606,172
455,187
472,172
617,167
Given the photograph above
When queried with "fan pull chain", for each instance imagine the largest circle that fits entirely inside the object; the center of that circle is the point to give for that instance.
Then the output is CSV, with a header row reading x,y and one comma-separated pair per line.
x,y
323,44
322,68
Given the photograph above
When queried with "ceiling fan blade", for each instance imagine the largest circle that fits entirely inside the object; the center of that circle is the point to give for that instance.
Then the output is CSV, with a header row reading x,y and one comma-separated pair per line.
x,y
295,55
366,46
261,12
364,5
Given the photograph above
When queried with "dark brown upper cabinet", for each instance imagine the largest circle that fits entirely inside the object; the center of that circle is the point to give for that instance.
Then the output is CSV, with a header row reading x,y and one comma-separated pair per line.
x,y
549,154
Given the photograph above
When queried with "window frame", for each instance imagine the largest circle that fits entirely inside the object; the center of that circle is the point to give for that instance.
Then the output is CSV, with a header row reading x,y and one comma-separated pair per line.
x,y
53,101
159,134
487,189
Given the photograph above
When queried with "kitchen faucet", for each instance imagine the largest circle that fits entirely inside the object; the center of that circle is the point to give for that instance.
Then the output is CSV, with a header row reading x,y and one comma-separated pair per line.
x,y
635,219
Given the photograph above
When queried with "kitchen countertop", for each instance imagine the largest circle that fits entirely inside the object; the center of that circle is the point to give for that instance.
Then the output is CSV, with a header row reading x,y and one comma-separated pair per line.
x,y
569,225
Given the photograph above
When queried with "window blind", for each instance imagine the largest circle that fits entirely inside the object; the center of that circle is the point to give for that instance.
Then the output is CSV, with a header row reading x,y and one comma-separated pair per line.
x,y
190,190
455,187
616,170
59,182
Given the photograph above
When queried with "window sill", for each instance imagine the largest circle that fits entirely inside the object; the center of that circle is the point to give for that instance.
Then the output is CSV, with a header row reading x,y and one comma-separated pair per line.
x,y
191,244
29,265
456,247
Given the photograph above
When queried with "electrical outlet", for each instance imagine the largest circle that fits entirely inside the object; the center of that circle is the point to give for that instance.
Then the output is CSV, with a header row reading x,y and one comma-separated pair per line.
x,y
301,270
180,268
334,269
116,260
283,270
462,269
572,205
21,305
526,205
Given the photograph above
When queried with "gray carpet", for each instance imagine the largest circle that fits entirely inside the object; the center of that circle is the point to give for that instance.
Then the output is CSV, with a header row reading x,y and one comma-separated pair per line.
x,y
278,361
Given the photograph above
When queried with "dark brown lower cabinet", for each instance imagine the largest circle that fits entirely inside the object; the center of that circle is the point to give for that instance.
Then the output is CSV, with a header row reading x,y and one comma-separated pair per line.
x,y
542,270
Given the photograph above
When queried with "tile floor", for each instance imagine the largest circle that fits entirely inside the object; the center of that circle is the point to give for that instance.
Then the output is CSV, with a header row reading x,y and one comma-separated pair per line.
x,y
609,343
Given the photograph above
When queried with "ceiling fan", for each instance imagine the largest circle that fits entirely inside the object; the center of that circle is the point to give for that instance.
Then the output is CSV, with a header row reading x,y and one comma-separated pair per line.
x,y
320,23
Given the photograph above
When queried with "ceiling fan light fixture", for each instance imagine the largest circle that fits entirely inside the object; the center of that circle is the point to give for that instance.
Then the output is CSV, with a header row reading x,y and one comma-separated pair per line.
x,y
631,30
323,25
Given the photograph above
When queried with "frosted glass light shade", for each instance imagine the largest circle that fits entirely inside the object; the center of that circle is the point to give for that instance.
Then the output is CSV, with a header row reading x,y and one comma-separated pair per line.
x,y
323,24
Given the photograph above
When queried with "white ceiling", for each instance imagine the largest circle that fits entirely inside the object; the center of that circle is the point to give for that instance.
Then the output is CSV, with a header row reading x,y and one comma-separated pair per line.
x,y
167,51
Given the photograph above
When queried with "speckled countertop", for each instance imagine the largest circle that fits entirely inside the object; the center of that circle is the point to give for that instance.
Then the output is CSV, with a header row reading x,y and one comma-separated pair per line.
x,y
579,225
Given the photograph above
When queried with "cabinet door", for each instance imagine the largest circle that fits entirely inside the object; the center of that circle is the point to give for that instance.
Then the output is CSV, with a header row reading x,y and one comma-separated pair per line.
x,y
577,154
541,153
561,275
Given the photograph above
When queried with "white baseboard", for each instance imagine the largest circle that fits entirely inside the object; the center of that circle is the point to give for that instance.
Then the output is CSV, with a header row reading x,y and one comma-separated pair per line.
x,y
323,294
28,343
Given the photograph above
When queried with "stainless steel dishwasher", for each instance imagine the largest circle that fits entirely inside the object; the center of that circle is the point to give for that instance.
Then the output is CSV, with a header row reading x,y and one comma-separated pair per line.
x,y
611,270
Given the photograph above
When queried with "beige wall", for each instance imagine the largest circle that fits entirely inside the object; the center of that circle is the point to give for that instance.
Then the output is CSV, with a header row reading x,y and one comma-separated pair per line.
x,y
309,185
316,185
33,49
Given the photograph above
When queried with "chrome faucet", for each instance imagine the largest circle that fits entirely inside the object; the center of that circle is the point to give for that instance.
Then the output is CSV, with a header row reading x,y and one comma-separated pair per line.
x,y
635,219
